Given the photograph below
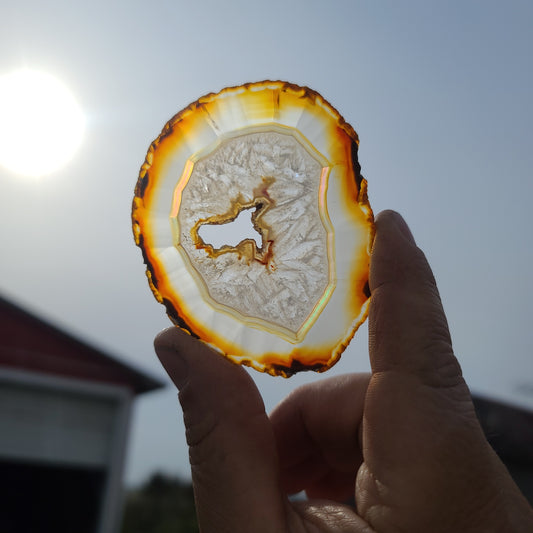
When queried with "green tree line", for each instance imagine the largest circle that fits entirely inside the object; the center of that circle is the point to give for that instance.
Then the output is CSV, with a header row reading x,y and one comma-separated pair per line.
x,y
162,505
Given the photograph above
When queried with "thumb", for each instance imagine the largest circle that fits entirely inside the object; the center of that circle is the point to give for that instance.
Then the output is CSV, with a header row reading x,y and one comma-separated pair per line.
x,y
231,443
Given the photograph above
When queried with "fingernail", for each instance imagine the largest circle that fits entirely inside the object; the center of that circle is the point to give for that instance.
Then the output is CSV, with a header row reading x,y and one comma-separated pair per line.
x,y
172,360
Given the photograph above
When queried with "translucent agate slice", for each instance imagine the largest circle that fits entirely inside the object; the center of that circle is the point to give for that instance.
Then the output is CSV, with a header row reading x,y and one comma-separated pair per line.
x,y
291,298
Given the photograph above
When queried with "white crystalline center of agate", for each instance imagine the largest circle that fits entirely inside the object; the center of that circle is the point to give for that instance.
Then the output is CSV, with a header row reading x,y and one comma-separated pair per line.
x,y
289,289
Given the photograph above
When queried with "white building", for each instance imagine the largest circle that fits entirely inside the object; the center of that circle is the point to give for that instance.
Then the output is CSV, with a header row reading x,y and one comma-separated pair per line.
x,y
64,416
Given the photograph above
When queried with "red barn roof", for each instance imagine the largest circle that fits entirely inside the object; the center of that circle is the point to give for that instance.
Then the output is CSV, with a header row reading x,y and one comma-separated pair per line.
x,y
27,342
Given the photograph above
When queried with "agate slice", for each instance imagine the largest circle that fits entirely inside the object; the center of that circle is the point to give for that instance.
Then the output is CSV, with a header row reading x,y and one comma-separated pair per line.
x,y
291,298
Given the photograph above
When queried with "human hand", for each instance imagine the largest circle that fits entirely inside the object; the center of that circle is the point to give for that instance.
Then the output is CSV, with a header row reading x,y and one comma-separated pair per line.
x,y
404,441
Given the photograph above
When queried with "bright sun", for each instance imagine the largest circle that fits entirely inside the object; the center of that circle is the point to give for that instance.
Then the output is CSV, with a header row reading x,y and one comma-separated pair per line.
x,y
41,125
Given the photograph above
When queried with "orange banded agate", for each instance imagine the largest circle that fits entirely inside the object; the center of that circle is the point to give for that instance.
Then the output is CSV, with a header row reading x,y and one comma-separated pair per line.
x,y
292,299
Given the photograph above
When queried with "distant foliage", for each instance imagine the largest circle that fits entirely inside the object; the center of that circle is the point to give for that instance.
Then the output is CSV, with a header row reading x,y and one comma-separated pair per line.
x,y
162,505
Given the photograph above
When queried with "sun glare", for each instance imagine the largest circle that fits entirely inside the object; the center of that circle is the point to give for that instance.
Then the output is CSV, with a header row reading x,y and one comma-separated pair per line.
x,y
41,124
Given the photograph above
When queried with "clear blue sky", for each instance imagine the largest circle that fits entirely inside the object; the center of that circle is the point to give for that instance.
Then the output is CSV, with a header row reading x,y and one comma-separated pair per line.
x,y
439,92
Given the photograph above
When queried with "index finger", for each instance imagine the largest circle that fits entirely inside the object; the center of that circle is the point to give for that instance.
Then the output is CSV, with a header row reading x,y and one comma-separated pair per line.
x,y
408,331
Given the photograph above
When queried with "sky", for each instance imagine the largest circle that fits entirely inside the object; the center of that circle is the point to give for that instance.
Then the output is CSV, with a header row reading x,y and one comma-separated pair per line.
x,y
439,93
